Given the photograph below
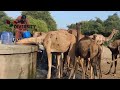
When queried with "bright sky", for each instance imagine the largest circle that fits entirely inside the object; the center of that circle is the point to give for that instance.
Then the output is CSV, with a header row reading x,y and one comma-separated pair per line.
x,y
64,18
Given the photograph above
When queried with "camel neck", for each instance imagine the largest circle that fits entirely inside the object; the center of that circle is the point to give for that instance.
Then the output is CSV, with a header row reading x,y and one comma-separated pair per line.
x,y
78,34
109,37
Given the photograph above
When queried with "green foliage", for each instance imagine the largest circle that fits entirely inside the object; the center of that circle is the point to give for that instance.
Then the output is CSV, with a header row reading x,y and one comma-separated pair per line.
x,y
40,24
42,15
3,25
2,14
99,26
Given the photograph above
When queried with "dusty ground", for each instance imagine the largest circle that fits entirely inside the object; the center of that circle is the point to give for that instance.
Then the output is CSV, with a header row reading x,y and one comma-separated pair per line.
x,y
106,56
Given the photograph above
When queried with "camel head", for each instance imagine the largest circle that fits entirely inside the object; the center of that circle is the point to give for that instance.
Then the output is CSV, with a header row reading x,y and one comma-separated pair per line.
x,y
115,31
78,26
32,40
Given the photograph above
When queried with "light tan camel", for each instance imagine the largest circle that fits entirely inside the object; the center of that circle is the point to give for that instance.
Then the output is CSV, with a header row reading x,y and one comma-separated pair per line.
x,y
87,48
37,34
101,39
55,41
32,40
59,41
74,32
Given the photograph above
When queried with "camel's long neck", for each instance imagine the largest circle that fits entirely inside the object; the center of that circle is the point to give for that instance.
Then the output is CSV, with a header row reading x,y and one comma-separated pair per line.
x,y
32,40
110,37
78,32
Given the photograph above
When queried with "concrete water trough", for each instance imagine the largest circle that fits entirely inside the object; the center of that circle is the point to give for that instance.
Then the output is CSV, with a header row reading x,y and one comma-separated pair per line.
x,y
18,61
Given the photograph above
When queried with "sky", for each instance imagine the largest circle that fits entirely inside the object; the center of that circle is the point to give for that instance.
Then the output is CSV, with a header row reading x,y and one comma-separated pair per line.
x,y
64,18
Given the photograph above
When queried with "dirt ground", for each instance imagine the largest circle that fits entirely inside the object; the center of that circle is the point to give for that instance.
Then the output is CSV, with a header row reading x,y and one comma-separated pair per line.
x,y
106,57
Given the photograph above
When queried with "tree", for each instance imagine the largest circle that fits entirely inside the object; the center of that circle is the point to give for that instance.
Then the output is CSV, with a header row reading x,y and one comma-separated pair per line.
x,y
40,24
99,26
3,25
2,14
111,22
42,15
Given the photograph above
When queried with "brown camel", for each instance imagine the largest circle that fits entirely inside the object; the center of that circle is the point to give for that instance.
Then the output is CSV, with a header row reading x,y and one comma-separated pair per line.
x,y
87,48
115,49
99,38
56,41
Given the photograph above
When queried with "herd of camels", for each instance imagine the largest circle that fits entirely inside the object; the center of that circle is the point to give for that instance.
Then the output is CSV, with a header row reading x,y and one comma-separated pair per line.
x,y
77,50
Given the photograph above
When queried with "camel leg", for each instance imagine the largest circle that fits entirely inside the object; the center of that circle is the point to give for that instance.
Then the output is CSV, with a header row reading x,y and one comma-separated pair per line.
x,y
61,66
64,60
71,54
76,68
73,69
91,72
111,65
68,61
81,62
100,73
94,69
99,66
119,50
58,64
115,65
71,73
49,64
88,65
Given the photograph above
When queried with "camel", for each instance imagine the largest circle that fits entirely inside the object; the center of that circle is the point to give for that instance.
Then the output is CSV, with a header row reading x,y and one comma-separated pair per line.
x,y
56,41
101,39
115,49
32,40
74,32
37,34
87,48
59,41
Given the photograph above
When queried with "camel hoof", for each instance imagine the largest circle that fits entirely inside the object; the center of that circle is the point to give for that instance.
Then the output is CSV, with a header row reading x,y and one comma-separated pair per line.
x,y
96,77
74,77
58,77
107,73
114,74
47,78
